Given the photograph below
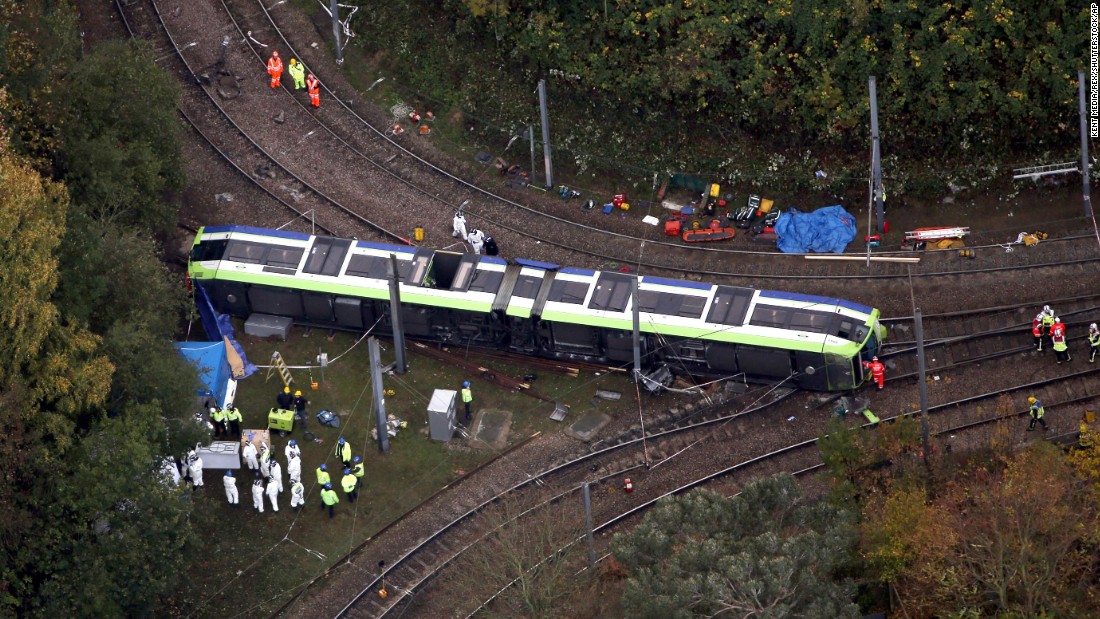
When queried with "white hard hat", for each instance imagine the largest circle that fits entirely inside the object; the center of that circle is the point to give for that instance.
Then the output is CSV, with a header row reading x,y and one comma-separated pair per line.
x,y
1057,319
1092,327
1046,308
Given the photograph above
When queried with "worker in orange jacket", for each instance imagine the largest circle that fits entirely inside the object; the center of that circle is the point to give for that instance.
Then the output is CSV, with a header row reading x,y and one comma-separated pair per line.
x,y
275,69
314,88
1037,331
878,371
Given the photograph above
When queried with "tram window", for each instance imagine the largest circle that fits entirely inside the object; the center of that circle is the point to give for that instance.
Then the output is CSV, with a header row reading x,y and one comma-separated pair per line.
x,y
730,305
768,316
668,304
845,330
527,287
486,281
284,257
612,292
813,322
247,252
376,267
568,292
208,250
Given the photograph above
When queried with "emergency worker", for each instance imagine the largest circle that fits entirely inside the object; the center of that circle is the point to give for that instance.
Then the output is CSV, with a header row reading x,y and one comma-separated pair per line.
x,y
350,484
298,72
1058,337
314,88
329,500
358,469
343,451
1037,331
230,487
292,450
1048,319
467,398
458,225
294,469
878,371
273,492
322,475
234,418
284,399
249,453
297,495
275,69
258,495
1094,342
1036,411
476,239
218,416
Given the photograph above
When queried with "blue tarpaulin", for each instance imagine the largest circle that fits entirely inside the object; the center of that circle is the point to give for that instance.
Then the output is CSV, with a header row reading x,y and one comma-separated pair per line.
x,y
218,326
214,370
828,229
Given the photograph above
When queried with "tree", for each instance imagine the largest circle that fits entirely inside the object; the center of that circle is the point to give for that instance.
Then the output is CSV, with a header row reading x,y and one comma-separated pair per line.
x,y
1012,539
122,157
762,553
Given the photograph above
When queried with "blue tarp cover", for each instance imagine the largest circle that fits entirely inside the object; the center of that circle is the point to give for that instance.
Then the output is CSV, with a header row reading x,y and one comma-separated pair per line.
x,y
828,229
214,371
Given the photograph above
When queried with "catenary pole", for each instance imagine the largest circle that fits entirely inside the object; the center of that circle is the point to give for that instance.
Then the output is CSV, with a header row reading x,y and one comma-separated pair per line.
x,y
395,317
545,115
1084,112
922,385
876,159
588,525
335,11
379,394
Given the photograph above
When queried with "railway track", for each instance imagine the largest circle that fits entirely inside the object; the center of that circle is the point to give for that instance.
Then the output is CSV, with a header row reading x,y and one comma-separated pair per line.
x,y
955,423
378,152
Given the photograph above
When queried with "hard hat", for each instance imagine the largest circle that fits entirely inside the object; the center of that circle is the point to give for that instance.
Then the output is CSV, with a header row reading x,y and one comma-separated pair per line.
x,y
347,471
286,389
297,393
1092,327
275,54
465,383
293,61
1032,400
293,442
229,473
213,410
1046,308
874,358
341,440
357,459
328,486
323,467
1057,319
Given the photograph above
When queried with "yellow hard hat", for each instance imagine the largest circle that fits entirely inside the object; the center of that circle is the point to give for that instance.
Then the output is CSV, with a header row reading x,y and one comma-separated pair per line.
x,y
1031,400
286,389
293,61
297,393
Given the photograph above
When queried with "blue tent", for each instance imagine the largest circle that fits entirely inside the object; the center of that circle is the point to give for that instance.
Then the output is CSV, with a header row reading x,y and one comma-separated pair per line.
x,y
828,229
214,370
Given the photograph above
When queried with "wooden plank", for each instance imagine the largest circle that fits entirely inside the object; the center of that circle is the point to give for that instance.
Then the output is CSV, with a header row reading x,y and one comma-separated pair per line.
x,y
862,258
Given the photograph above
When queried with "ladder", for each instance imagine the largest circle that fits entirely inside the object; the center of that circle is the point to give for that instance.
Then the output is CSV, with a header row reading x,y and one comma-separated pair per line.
x,y
933,234
277,363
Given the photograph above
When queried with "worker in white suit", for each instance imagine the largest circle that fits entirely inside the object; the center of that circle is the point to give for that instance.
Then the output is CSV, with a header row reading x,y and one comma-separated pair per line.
x,y
230,487
294,469
297,495
250,457
273,493
258,495
196,471
276,473
292,450
265,460
476,239
459,225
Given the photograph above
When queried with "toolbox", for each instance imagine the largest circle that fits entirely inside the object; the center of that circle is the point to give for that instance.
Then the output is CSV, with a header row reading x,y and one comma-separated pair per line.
x,y
672,227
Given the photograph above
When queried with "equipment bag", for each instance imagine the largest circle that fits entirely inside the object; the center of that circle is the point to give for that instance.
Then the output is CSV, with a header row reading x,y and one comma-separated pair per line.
x,y
328,418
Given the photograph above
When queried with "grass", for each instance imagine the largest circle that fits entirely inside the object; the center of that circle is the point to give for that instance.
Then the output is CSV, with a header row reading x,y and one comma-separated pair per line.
x,y
249,563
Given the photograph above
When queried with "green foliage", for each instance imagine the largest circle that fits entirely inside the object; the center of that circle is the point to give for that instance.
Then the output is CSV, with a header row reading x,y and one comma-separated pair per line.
x,y
122,156
861,462
761,553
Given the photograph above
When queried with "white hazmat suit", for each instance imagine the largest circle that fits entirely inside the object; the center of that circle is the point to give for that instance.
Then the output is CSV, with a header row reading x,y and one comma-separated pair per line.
x,y
459,225
273,493
249,454
297,494
277,474
258,495
196,471
476,239
230,488
294,469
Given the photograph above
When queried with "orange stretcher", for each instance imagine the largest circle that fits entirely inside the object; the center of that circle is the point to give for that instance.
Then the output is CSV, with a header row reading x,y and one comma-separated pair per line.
x,y
709,234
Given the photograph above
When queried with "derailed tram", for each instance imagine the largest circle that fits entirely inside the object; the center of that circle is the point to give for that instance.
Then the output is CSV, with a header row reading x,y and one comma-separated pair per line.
x,y
537,308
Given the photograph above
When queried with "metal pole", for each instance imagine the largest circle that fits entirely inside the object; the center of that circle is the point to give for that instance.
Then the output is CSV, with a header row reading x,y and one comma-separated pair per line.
x,y
876,159
395,318
379,395
531,136
545,114
588,525
637,330
335,10
1083,110
922,385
